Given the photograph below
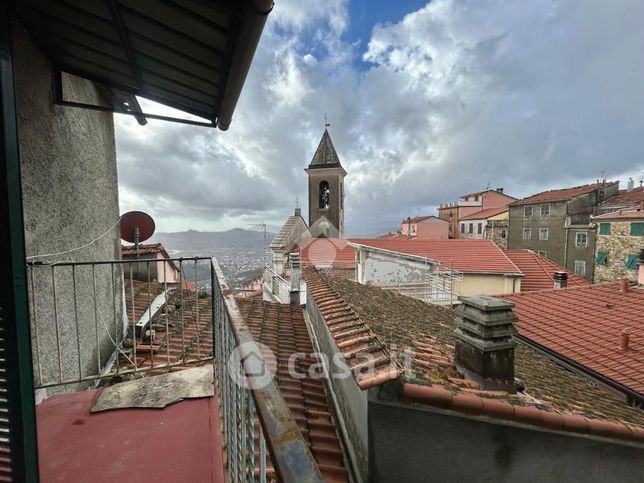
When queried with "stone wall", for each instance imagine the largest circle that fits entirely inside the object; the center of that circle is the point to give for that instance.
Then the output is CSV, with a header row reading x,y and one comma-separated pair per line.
x,y
619,244
497,231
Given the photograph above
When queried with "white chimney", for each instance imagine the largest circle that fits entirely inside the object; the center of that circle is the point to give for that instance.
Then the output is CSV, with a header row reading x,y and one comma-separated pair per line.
x,y
560,279
630,185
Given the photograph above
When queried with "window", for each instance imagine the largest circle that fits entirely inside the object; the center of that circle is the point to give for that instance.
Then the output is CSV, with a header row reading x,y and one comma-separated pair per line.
x,y
543,233
581,239
476,198
471,228
527,212
462,227
413,229
602,257
604,228
580,268
631,261
637,229
325,194
527,233
479,229
503,234
543,253
545,210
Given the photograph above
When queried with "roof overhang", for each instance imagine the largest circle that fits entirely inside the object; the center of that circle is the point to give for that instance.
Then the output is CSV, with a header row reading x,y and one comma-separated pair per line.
x,y
190,55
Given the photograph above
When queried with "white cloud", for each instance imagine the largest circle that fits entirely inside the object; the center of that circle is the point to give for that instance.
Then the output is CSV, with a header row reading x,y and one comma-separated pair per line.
x,y
524,95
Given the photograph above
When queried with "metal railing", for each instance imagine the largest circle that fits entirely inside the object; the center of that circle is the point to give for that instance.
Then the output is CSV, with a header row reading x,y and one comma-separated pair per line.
x,y
279,441
438,287
95,320
278,286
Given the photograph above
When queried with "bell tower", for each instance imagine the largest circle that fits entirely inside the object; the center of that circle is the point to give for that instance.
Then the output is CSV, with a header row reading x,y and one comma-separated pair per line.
x,y
326,190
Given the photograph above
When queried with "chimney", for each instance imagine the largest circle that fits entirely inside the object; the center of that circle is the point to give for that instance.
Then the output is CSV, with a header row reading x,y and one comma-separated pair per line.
x,y
624,339
294,260
640,271
298,212
630,185
484,348
561,279
623,285
499,190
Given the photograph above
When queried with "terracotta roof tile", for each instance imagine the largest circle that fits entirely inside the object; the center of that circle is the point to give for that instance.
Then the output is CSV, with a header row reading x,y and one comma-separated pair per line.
x,y
538,271
625,198
468,256
138,297
560,195
484,214
129,250
282,328
584,324
554,397
627,213
350,333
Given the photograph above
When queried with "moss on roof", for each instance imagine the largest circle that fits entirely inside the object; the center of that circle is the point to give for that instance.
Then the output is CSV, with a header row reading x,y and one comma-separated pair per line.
x,y
429,330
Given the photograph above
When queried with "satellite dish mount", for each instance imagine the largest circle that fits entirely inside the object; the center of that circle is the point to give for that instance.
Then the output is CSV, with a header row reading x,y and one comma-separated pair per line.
x,y
136,227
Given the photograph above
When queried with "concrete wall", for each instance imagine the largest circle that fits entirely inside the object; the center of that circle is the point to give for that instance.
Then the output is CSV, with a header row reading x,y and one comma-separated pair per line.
x,y
351,401
381,268
414,443
487,284
70,197
619,244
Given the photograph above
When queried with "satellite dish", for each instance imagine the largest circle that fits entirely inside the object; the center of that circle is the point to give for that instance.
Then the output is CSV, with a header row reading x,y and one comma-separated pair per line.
x,y
136,227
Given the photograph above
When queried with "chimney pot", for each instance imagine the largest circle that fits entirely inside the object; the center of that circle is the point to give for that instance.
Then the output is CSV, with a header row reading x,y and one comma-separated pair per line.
x,y
499,190
624,340
623,285
484,346
560,279
630,185
298,211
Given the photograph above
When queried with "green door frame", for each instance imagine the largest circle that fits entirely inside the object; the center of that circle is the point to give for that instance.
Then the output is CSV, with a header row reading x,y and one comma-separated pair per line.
x,y
15,338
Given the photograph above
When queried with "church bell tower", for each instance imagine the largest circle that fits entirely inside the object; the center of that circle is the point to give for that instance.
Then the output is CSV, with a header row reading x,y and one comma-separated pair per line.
x,y
326,191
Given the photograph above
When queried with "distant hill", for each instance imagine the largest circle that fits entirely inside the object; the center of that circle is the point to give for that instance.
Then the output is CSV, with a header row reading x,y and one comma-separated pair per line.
x,y
194,241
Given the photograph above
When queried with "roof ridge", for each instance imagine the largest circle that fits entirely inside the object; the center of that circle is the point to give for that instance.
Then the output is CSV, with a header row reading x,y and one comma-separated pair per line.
x,y
560,290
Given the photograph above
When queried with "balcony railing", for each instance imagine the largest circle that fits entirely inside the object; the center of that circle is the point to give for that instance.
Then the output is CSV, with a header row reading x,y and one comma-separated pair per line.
x,y
279,440
277,285
98,320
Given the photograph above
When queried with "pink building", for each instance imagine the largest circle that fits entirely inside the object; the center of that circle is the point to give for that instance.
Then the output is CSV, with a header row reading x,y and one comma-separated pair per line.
x,y
425,228
469,204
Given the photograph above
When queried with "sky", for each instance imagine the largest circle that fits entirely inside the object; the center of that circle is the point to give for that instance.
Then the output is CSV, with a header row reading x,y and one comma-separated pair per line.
x,y
426,102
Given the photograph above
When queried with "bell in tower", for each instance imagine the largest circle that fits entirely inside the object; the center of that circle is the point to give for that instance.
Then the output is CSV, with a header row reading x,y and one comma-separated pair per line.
x,y
326,190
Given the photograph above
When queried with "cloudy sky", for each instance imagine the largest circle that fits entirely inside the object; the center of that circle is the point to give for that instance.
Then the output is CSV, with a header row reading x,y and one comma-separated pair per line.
x,y
426,102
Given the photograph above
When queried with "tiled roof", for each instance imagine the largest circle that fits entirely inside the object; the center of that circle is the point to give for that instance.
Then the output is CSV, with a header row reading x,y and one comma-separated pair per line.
x,y
396,235
625,198
327,251
188,317
624,214
478,193
553,397
538,271
283,330
561,194
584,324
350,332
144,295
279,242
468,256
129,250
484,214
